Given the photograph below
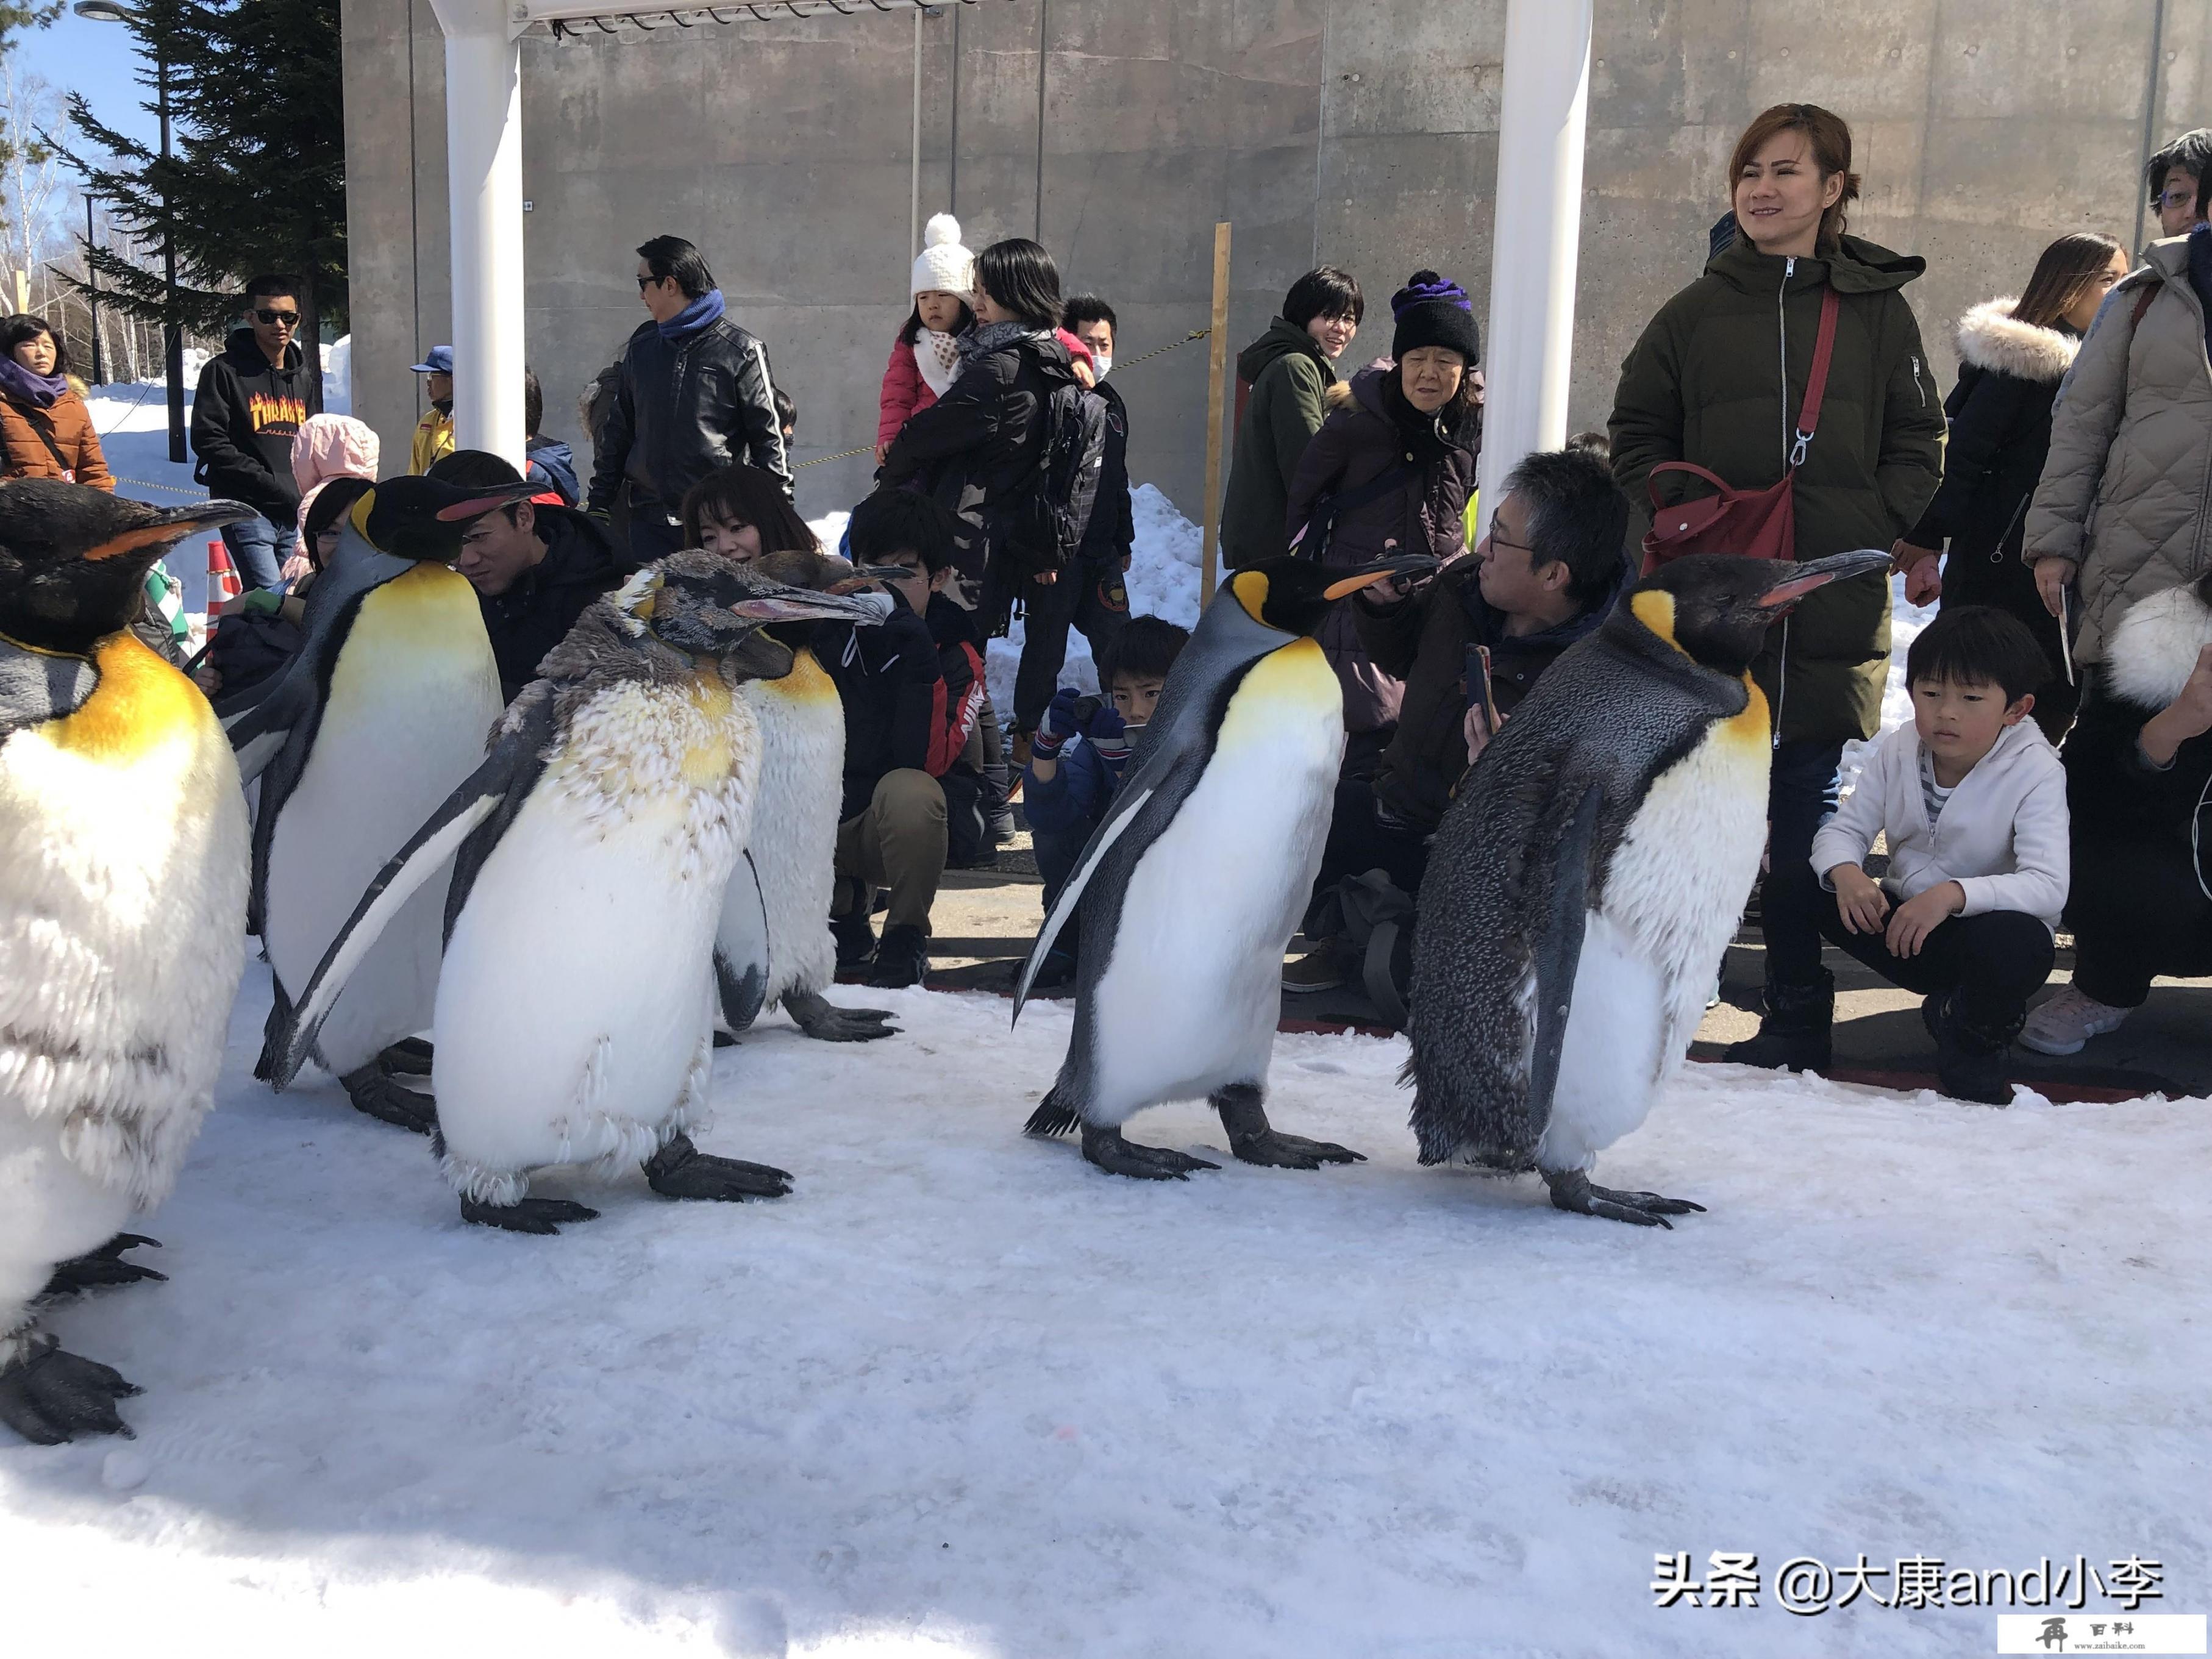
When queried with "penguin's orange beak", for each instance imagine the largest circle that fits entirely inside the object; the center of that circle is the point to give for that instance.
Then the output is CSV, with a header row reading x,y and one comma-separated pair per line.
x,y
1803,578
171,527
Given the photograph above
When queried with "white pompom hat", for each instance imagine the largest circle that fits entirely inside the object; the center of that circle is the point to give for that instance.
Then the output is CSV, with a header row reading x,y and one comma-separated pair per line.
x,y
942,262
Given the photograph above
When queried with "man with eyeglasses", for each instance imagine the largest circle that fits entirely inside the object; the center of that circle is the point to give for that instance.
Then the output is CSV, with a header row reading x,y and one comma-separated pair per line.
x,y
2172,175
694,395
251,403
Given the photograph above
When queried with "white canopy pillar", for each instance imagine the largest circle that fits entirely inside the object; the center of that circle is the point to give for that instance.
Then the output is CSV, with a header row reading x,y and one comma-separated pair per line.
x,y
484,170
1537,230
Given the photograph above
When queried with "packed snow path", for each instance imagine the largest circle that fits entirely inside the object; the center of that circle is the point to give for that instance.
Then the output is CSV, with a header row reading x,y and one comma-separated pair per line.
x,y
961,1394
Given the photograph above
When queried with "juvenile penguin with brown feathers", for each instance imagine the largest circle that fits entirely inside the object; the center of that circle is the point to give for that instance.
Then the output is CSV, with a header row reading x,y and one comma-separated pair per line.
x,y
1584,883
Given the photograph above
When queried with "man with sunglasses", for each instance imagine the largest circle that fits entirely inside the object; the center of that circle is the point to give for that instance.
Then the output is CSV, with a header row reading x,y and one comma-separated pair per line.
x,y
695,394
251,403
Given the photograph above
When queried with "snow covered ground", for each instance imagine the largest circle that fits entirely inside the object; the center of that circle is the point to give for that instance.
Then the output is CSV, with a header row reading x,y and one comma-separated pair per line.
x,y
961,1395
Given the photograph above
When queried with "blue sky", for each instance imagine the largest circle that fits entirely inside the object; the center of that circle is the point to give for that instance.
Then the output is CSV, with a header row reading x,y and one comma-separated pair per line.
x,y
96,59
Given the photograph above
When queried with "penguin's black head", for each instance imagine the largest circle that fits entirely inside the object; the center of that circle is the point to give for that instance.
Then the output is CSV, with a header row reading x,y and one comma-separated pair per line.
x,y
1294,594
708,605
424,518
1716,608
73,560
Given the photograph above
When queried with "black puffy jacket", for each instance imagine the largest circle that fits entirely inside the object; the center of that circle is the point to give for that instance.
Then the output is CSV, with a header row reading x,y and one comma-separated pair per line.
x,y
978,446
686,408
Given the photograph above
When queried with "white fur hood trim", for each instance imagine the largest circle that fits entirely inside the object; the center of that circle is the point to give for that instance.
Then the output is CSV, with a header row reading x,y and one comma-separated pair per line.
x,y
1992,337
2154,650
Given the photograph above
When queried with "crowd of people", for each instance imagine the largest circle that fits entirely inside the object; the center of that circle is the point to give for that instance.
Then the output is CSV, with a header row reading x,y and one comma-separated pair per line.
x,y
2056,768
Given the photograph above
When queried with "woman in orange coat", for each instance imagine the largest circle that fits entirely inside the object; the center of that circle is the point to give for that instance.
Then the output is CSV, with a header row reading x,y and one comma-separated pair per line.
x,y
45,430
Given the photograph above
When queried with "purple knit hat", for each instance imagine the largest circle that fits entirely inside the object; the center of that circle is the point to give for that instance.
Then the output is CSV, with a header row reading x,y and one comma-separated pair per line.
x,y
1434,311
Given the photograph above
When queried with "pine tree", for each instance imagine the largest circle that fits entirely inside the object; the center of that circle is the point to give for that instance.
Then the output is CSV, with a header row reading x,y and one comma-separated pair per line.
x,y
256,180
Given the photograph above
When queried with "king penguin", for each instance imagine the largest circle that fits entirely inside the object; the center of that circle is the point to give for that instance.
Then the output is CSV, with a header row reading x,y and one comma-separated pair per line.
x,y
384,711
1584,885
574,1014
773,948
123,874
1194,883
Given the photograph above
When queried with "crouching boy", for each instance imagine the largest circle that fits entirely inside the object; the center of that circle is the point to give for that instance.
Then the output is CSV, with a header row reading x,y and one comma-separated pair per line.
x,y
1077,759
1972,800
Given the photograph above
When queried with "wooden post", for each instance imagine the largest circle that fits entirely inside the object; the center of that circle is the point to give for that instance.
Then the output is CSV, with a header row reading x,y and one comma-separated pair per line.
x,y
1216,391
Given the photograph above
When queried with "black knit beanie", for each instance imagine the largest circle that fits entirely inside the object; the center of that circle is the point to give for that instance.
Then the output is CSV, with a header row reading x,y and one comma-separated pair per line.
x,y
1432,311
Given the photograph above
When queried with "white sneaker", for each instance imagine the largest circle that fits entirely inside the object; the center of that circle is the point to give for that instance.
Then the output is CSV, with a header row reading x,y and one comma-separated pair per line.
x,y
2068,1020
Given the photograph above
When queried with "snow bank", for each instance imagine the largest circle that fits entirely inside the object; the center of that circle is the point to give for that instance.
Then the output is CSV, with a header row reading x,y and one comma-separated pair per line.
x,y
961,1396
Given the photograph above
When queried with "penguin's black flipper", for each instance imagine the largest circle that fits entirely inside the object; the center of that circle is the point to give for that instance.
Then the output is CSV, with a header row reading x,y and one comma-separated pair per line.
x,y
258,725
1558,951
497,787
38,686
742,986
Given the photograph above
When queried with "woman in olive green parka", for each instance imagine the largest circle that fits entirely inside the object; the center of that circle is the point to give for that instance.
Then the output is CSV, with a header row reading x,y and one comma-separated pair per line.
x,y
1289,369
1718,379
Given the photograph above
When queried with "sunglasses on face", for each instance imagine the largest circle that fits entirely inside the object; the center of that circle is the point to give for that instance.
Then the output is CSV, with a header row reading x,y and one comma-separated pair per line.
x,y
280,318
645,283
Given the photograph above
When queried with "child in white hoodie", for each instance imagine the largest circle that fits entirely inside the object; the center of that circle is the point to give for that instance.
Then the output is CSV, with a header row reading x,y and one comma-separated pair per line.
x,y
1972,799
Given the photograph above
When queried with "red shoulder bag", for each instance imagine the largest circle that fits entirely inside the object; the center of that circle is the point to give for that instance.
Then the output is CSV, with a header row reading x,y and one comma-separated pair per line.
x,y
1752,523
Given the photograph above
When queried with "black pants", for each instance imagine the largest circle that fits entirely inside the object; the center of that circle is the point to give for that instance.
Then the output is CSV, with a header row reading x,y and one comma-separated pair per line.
x,y
1090,595
1994,962
1359,841
1800,792
2136,912
651,536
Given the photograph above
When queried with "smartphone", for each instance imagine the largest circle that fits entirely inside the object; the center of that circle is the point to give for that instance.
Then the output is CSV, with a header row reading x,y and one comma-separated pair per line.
x,y
1478,684
2066,630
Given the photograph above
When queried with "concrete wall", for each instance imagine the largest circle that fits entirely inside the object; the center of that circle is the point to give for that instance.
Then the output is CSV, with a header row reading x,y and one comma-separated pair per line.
x,y
1360,132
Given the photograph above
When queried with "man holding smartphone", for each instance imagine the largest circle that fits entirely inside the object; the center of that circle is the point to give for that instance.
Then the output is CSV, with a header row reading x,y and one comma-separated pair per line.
x,y
252,401
1468,645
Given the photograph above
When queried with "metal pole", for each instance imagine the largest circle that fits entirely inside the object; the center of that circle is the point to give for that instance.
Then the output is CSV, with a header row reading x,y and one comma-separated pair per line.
x,y
1535,235
914,203
91,297
484,171
1043,17
1216,401
173,332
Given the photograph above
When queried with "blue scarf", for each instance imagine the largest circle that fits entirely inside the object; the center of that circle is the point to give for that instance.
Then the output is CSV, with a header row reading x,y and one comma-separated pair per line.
x,y
40,390
701,312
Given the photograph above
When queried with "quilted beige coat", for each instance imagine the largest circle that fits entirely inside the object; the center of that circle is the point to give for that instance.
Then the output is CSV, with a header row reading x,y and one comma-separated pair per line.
x,y
2124,492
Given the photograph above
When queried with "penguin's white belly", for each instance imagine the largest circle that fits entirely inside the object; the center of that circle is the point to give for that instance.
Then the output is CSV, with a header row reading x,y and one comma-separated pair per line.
x,y
1673,893
573,1007
777,918
399,731
1190,998
122,872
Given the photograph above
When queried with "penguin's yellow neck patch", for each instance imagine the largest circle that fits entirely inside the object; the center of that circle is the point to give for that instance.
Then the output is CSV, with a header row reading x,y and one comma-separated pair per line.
x,y
1654,609
140,703
808,682
1754,726
1249,589
707,763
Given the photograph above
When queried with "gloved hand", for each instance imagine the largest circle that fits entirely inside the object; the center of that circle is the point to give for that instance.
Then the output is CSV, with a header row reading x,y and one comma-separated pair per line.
x,y
1108,735
261,602
1061,721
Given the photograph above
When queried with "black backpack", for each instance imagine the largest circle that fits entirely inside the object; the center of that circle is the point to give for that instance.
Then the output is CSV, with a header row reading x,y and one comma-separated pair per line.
x,y
1052,512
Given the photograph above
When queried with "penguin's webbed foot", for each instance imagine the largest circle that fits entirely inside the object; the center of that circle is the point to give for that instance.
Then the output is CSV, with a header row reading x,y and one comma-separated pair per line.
x,y
55,1395
103,1267
1572,1189
679,1170
409,1057
1107,1150
527,1215
375,1091
826,1022
1253,1140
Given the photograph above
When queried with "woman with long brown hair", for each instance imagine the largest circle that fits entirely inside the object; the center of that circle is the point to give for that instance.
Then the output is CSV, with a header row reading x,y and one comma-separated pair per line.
x,y
1719,380
2012,355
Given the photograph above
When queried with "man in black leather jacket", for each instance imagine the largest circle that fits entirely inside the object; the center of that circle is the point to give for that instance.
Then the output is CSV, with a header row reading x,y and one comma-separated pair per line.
x,y
696,394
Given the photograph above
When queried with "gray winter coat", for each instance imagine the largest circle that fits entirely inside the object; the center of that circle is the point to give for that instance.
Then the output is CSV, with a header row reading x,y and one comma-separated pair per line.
x,y
2124,492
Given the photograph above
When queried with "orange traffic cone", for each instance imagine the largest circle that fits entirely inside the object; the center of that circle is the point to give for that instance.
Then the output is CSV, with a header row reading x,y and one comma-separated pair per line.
x,y
223,583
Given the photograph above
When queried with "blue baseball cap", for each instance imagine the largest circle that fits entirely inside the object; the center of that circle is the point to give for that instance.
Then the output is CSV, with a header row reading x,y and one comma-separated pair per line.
x,y
440,361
